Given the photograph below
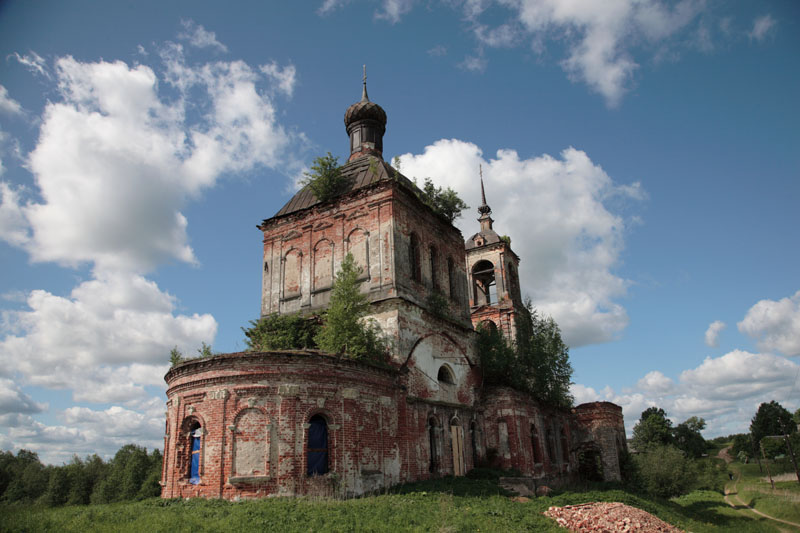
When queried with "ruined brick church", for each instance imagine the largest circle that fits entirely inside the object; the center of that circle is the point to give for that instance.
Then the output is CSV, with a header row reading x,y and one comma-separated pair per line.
x,y
256,424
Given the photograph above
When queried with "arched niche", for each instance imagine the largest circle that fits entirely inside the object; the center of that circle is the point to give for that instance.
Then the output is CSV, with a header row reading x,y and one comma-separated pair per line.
x,y
292,274
358,245
250,443
323,265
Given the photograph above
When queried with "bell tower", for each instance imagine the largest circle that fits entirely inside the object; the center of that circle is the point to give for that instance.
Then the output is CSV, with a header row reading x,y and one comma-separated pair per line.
x,y
492,271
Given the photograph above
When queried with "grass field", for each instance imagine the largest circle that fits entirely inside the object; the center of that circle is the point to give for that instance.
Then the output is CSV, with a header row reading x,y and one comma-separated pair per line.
x,y
446,505
754,489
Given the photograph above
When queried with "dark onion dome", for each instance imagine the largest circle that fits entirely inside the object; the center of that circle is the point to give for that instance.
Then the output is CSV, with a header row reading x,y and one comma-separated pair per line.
x,y
364,110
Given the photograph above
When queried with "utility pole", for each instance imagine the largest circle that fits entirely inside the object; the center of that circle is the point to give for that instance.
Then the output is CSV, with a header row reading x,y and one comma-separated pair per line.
x,y
767,465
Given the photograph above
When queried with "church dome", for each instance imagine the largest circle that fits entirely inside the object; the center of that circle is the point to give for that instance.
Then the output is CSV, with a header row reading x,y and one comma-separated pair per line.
x,y
364,110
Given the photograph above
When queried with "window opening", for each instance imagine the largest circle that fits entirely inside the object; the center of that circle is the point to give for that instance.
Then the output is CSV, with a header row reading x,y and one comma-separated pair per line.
x,y
317,446
451,281
433,438
483,281
445,375
434,277
196,433
413,257
537,451
564,446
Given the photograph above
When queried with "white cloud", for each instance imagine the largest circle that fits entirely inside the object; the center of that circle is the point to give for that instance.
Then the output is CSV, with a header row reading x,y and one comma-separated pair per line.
x,y
712,333
33,62
115,162
474,63
199,37
14,400
776,324
8,104
762,27
438,51
393,10
14,227
121,150
554,211
655,382
114,319
284,77
330,5
726,391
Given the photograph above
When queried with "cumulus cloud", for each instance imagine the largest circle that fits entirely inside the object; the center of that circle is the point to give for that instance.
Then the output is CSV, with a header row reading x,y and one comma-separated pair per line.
x,y
762,27
726,391
115,161
712,333
199,37
114,319
330,5
775,324
121,150
14,400
8,104
555,211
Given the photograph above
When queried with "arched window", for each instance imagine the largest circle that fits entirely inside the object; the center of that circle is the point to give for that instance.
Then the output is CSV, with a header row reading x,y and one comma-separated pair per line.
x,y
433,440
292,266
317,446
195,439
451,278
564,446
445,375
535,446
434,266
502,438
513,281
413,257
488,326
483,283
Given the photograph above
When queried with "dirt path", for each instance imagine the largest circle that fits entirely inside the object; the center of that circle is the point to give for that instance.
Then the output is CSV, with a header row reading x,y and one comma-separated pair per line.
x,y
725,455
733,492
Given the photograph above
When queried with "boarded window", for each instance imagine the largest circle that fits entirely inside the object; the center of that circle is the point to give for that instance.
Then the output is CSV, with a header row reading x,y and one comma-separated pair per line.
x,y
317,446
358,246
250,443
323,265
292,263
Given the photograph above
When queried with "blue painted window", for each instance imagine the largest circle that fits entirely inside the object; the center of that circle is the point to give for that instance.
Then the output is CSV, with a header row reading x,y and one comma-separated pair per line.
x,y
317,446
194,473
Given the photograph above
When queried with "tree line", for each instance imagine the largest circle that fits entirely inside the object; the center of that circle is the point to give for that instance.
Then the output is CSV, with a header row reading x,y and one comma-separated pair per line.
x,y
132,474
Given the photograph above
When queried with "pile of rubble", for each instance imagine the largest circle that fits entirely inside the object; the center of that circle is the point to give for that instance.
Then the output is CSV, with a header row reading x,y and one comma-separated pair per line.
x,y
605,517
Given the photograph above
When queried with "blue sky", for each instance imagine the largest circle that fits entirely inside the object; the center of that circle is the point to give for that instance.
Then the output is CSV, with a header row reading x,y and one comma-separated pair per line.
x,y
643,156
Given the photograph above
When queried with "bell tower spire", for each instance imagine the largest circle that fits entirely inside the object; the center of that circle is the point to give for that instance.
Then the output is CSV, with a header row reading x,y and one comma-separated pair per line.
x,y
484,209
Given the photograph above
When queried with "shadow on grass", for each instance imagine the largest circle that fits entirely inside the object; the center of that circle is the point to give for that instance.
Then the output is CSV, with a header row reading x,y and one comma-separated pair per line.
x,y
457,486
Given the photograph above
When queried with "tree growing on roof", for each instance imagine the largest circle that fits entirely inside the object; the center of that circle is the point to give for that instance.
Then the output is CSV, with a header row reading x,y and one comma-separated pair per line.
x,y
325,179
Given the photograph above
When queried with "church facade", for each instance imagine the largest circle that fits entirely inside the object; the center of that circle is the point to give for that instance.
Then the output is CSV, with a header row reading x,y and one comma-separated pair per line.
x,y
283,423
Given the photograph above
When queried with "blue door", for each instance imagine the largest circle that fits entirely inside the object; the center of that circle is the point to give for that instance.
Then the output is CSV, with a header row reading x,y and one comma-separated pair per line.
x,y
317,446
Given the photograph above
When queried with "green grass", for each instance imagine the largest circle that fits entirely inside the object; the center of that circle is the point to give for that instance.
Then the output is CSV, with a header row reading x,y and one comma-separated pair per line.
x,y
447,504
754,490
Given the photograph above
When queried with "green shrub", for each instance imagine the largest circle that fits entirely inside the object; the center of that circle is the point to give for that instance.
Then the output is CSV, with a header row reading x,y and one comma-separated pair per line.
x,y
281,332
325,179
663,471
